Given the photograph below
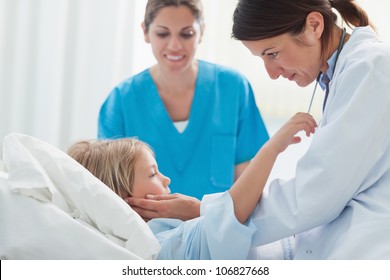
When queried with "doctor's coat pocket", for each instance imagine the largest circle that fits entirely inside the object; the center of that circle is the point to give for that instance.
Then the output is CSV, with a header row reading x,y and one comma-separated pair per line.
x,y
222,160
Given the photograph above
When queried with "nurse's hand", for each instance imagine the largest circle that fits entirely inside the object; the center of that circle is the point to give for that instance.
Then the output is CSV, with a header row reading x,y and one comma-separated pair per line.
x,y
176,206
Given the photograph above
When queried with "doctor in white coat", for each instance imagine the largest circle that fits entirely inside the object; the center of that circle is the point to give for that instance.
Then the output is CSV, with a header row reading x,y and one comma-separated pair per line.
x,y
338,203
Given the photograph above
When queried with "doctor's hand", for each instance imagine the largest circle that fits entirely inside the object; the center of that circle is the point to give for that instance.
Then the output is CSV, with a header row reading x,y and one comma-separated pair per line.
x,y
176,206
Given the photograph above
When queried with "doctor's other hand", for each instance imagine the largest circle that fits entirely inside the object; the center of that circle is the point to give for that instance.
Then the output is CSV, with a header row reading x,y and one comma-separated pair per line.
x,y
176,206
286,135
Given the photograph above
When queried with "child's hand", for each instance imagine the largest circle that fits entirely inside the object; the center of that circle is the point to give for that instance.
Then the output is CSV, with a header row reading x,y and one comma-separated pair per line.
x,y
286,135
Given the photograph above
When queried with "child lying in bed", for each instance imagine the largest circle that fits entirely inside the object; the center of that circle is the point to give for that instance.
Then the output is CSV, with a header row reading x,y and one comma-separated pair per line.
x,y
224,230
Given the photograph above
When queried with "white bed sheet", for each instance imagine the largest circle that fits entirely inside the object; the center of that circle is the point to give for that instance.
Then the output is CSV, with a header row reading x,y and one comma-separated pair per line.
x,y
53,208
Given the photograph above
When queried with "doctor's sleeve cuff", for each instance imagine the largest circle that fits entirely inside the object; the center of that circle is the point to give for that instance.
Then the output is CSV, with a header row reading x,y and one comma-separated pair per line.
x,y
226,237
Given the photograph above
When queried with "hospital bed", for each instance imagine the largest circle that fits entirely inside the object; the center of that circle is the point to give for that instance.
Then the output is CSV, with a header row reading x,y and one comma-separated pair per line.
x,y
53,208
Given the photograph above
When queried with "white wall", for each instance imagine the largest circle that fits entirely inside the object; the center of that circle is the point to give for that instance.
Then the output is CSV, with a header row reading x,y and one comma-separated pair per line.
x,y
60,58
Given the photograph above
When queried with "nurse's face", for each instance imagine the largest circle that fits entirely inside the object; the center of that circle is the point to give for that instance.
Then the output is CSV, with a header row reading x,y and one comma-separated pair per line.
x,y
174,36
148,180
297,59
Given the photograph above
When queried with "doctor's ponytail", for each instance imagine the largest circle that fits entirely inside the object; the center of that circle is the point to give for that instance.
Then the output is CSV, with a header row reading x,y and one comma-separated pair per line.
x,y
351,12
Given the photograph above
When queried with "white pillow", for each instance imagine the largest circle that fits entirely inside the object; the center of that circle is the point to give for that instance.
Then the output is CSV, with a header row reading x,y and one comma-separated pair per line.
x,y
57,188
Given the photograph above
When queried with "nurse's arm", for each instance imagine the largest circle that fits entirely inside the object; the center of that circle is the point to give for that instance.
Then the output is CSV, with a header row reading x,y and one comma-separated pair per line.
x,y
247,190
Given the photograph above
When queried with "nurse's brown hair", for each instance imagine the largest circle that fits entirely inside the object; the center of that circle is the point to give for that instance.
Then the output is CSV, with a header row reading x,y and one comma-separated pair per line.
x,y
154,6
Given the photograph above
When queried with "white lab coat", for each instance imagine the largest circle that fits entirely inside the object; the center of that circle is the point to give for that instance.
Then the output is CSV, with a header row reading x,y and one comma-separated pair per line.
x,y
338,203
216,234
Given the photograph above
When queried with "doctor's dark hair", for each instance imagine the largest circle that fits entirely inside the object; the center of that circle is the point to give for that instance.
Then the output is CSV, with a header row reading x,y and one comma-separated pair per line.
x,y
111,161
261,19
154,6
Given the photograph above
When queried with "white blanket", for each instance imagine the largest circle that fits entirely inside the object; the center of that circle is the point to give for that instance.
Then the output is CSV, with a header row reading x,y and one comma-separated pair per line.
x,y
53,208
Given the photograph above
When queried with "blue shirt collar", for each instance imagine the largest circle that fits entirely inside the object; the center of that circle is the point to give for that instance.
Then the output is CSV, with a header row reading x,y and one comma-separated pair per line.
x,y
325,78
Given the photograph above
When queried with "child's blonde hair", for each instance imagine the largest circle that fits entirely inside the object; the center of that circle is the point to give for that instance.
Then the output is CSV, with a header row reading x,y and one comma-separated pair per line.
x,y
111,161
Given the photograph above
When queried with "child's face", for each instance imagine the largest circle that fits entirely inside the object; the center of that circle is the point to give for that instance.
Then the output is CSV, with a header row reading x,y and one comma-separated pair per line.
x,y
148,180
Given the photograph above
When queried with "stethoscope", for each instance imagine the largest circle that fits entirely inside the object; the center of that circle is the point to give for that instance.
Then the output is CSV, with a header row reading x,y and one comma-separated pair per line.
x,y
339,48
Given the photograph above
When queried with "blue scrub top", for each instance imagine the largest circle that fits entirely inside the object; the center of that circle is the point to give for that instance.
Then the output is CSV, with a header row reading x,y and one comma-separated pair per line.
x,y
225,127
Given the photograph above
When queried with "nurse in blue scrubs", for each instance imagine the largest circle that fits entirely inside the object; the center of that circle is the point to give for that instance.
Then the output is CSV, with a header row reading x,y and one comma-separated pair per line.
x,y
200,118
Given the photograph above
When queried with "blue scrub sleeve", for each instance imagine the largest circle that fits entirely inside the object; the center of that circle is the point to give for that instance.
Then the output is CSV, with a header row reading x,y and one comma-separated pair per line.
x,y
252,132
111,121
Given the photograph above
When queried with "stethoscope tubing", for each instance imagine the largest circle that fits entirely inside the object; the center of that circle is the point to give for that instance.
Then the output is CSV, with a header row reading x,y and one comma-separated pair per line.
x,y
339,48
